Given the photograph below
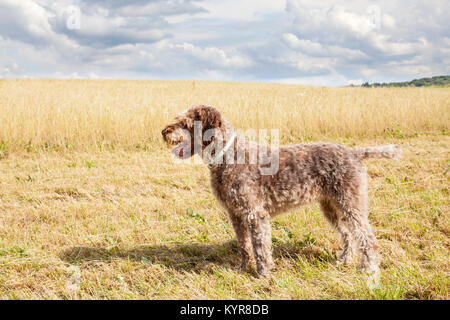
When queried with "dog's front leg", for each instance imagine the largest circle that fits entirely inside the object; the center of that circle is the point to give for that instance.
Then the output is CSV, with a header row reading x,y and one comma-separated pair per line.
x,y
259,223
244,239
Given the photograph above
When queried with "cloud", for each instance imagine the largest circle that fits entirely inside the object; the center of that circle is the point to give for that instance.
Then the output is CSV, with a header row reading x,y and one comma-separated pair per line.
x,y
100,27
214,56
316,49
366,36
166,8
11,68
306,46
336,42
27,21
244,10
24,20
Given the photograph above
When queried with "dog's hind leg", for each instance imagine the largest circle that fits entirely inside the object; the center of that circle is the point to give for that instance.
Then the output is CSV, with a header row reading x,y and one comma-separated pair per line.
x,y
353,205
333,216
361,230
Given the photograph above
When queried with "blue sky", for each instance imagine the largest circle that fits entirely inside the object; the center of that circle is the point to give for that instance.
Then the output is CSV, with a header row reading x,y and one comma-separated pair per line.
x,y
286,41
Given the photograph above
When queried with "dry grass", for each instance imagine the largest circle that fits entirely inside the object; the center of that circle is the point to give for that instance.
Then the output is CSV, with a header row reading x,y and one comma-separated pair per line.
x,y
85,181
77,114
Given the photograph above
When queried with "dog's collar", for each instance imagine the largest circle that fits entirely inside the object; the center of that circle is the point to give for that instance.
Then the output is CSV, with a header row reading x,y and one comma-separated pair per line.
x,y
222,152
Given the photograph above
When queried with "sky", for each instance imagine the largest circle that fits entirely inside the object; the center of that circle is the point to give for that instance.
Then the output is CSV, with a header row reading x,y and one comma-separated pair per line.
x,y
328,43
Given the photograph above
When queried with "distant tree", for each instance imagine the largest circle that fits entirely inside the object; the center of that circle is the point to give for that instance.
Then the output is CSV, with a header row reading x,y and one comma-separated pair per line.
x,y
423,82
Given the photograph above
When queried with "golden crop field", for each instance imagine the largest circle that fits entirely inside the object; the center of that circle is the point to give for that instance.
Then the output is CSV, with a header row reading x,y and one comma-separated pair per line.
x,y
93,207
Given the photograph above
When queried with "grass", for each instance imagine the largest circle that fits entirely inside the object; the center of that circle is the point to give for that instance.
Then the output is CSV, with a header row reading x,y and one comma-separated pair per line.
x,y
104,115
92,207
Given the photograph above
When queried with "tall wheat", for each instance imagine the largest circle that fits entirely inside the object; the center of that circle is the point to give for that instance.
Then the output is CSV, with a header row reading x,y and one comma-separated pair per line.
x,y
87,113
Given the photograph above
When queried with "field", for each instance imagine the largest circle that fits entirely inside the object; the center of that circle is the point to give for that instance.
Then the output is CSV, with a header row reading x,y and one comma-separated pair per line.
x,y
93,207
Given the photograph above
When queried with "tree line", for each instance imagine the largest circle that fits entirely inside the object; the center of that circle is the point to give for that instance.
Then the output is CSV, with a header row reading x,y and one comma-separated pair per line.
x,y
423,82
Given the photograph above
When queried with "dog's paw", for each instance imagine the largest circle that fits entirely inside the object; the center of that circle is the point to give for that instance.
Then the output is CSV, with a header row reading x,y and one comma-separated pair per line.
x,y
342,262
344,259
240,268
373,273
263,272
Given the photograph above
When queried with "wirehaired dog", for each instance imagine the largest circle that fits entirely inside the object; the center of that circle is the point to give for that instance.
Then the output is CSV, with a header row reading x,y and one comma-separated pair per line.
x,y
328,173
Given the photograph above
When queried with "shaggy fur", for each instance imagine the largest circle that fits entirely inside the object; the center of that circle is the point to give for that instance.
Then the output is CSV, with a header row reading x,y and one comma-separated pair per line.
x,y
328,173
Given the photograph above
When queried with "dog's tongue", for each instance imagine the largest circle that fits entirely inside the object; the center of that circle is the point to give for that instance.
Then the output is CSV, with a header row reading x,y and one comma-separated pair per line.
x,y
180,150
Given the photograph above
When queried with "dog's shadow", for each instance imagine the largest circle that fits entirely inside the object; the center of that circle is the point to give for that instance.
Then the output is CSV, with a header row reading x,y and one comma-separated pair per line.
x,y
195,257
188,257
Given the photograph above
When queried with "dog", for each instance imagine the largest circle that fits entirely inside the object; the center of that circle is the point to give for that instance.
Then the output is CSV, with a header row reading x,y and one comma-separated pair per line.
x,y
331,174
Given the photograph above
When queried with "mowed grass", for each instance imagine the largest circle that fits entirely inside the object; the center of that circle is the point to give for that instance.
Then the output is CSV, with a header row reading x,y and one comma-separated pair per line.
x,y
93,207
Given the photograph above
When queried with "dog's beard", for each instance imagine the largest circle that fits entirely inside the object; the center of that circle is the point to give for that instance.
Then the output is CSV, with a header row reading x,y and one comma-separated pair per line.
x,y
182,150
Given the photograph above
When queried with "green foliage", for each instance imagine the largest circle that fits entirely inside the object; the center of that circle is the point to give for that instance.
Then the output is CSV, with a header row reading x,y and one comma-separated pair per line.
x,y
423,82
195,215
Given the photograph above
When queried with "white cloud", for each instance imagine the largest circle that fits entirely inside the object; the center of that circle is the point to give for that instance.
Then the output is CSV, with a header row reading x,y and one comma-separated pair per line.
x,y
358,24
306,46
93,75
28,21
214,55
391,48
366,39
243,10
101,27
305,64
303,41
168,8
75,75
355,82
316,49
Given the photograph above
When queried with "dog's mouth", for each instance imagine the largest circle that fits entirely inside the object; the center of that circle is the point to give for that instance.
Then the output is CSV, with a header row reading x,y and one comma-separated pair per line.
x,y
182,150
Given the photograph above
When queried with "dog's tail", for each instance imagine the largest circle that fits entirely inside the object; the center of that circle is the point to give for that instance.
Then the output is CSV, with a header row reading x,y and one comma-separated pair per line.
x,y
390,151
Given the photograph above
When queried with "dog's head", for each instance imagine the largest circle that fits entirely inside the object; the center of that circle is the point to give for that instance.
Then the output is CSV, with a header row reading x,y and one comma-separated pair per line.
x,y
193,130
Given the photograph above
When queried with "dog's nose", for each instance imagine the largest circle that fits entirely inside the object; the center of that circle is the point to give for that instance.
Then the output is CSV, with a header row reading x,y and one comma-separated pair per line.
x,y
163,131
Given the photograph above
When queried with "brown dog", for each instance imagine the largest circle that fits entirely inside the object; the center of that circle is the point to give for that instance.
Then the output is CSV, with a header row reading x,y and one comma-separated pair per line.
x,y
331,174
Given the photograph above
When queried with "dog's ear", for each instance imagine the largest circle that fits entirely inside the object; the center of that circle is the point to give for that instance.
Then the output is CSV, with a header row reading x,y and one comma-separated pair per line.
x,y
210,118
187,121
